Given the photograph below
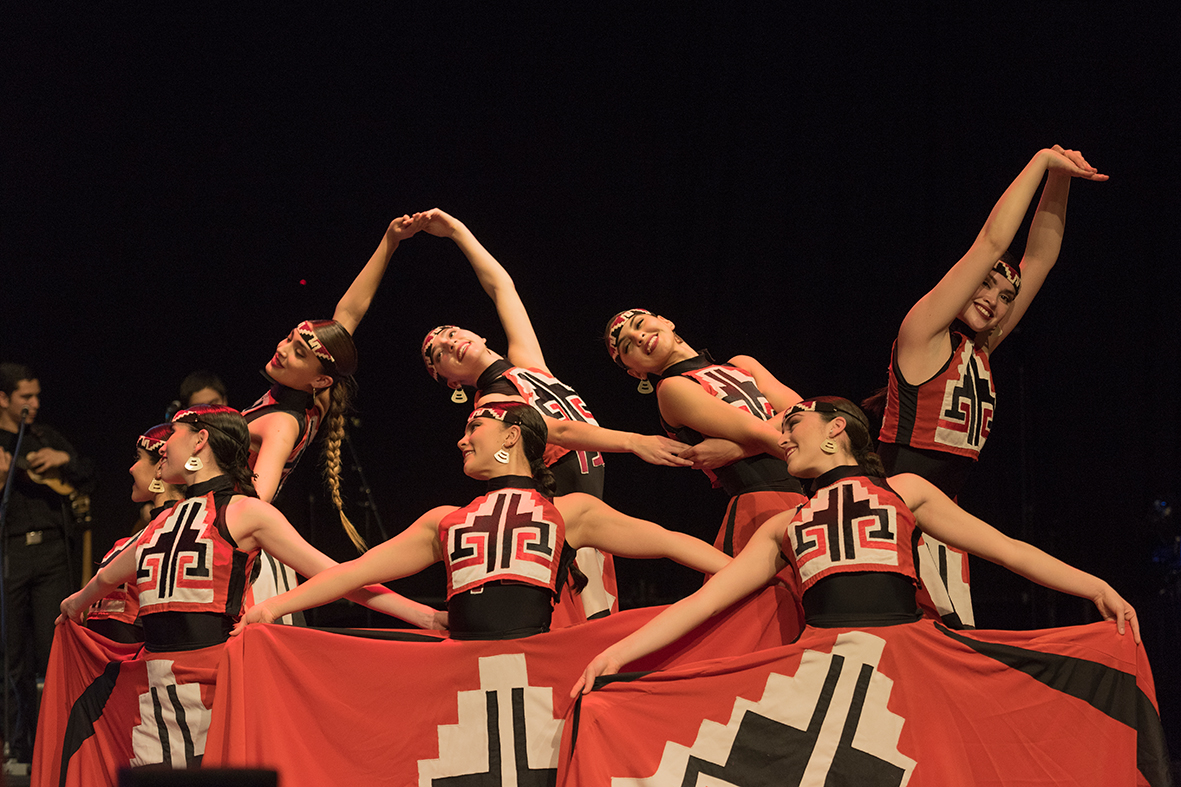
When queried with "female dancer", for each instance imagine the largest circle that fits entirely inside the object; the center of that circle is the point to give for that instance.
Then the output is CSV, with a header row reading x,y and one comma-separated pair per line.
x,y
455,358
936,427
311,373
700,399
491,595
115,616
851,548
190,568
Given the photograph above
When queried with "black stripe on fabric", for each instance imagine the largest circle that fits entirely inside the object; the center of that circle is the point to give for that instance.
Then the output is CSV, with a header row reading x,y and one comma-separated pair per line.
x,y
858,703
161,727
1106,689
182,721
600,682
493,710
86,710
826,694
731,523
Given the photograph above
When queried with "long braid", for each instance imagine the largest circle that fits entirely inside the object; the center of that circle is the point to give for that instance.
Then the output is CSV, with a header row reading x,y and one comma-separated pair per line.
x,y
544,477
340,397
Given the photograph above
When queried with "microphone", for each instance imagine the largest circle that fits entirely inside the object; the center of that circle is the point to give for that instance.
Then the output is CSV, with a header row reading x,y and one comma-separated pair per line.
x,y
24,413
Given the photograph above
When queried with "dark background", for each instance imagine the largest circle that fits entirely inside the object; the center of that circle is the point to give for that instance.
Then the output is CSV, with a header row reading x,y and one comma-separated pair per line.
x,y
780,184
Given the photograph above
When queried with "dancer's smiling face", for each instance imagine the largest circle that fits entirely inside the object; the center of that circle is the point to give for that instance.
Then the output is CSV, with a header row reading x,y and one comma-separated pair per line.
x,y
296,366
989,304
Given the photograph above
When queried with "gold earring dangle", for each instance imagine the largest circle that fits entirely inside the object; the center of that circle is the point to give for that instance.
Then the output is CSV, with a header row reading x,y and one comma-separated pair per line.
x,y
458,395
194,463
645,387
828,446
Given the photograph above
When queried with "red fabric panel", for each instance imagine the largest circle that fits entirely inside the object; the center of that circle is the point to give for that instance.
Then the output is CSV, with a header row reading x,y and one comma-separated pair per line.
x,y
325,708
904,705
110,732
77,658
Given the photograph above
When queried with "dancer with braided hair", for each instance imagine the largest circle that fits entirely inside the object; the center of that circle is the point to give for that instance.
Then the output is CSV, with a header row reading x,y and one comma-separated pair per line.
x,y
939,404
456,358
1059,706
190,568
312,375
512,596
116,616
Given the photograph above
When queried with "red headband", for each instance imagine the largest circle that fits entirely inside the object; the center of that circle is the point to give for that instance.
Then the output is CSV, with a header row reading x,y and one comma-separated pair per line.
x,y
428,349
308,333
615,327
497,410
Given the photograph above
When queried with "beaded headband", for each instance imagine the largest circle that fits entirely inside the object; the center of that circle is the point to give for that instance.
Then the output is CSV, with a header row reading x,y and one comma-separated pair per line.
x,y
615,327
1013,275
497,410
428,349
814,406
196,416
308,333
151,444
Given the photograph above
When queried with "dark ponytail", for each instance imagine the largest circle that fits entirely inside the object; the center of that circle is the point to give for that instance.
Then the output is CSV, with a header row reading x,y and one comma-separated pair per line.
x,y
856,432
534,434
229,440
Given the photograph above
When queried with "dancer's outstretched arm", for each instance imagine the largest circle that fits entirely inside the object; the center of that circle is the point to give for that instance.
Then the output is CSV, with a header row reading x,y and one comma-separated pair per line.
x,y
938,515
756,565
922,339
353,305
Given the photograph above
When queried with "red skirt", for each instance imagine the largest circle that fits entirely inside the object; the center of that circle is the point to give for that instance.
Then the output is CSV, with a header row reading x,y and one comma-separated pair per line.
x,y
109,706
914,704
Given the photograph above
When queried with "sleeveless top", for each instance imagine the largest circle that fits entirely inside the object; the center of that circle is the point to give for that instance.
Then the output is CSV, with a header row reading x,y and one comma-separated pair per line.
x,y
510,534
506,558
852,523
736,387
122,603
952,412
546,394
187,562
300,404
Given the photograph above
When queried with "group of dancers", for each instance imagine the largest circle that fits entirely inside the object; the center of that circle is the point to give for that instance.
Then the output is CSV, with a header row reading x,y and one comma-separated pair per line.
x,y
855,541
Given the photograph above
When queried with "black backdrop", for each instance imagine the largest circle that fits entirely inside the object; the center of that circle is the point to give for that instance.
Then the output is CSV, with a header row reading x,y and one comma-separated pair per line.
x,y
182,185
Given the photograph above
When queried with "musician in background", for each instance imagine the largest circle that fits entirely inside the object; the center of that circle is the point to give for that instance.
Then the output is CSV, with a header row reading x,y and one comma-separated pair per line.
x,y
37,530
199,387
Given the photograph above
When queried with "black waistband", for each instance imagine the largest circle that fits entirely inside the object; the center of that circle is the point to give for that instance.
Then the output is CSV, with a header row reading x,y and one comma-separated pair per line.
x,y
168,631
869,599
757,473
500,611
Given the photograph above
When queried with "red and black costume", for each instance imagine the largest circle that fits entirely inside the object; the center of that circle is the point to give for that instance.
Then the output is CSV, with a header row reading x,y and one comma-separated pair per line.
x,y
574,471
872,694
936,428
191,577
154,706
302,406
274,577
506,558
759,486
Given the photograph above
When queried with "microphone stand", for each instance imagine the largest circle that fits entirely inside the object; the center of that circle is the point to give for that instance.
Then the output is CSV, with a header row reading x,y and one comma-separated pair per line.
x,y
20,436
372,516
